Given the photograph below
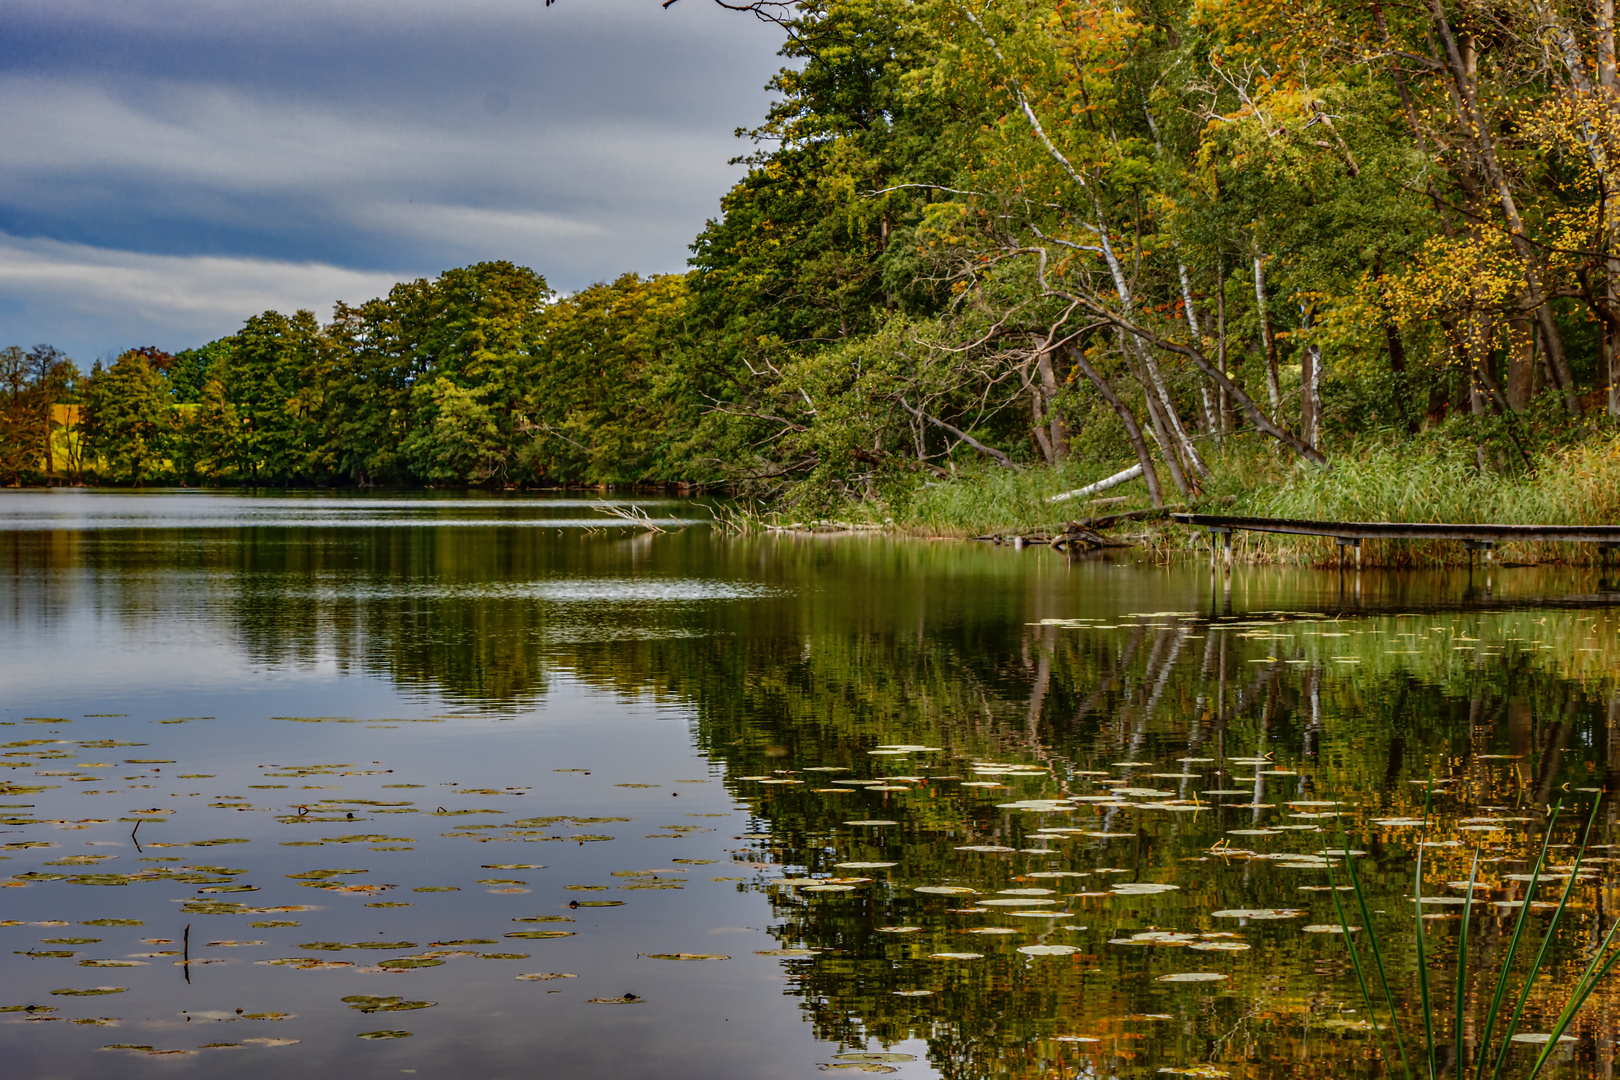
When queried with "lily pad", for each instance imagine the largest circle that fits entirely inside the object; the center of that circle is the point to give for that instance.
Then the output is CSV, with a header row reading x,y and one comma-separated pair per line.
x,y
545,976
1192,976
370,1003
685,956
1048,950
94,991
383,1035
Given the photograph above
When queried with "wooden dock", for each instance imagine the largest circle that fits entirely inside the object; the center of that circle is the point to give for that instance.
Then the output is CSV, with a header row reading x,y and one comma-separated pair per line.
x,y
1350,534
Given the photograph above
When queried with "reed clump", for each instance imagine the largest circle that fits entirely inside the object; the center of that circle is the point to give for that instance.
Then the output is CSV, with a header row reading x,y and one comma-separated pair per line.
x,y
1429,1052
1425,480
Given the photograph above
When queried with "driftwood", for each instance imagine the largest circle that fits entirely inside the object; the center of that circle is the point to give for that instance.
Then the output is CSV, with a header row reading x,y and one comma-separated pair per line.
x,y
1072,536
1100,486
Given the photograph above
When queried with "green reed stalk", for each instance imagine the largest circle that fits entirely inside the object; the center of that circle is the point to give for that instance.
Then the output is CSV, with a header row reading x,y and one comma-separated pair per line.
x,y
1590,977
1583,989
1460,1003
1546,942
1361,975
1500,992
1422,943
1377,952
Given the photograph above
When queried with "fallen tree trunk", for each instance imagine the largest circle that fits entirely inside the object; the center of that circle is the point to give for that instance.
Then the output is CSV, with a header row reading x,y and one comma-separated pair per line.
x,y
1101,485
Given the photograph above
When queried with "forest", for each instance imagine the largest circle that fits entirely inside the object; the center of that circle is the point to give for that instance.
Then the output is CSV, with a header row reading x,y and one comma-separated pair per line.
x,y
1291,254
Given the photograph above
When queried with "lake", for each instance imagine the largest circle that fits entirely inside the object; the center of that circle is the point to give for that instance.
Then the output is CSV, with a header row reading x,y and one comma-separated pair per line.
x,y
461,786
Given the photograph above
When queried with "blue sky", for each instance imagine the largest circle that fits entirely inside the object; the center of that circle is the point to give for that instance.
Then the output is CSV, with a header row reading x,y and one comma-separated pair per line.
x,y
171,167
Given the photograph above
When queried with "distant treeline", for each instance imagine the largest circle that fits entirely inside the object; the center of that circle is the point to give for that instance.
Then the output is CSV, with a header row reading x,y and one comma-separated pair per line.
x,y
481,376
1054,232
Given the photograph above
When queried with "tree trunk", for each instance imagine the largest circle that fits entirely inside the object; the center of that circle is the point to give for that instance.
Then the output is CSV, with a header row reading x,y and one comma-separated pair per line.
x,y
1223,403
1521,363
1269,340
1133,431
1161,433
1464,75
1310,397
1058,438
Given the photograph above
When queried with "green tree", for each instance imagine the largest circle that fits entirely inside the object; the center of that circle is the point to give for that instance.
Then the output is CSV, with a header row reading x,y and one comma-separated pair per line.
x,y
127,424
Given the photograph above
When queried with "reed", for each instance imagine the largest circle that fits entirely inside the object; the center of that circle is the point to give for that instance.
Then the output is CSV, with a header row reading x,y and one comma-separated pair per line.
x,y
1375,986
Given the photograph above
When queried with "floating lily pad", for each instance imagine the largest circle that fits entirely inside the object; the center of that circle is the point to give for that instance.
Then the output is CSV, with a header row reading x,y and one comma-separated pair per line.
x,y
94,991
945,890
804,952
407,962
1048,950
383,1035
852,1066
369,1003
1192,976
1258,913
685,956
536,935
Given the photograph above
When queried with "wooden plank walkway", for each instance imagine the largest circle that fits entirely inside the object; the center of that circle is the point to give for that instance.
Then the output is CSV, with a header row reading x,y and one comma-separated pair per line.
x,y
1352,533
1398,530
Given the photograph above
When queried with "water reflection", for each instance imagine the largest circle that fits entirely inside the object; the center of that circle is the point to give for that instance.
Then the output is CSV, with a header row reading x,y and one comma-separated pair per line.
x,y
1086,766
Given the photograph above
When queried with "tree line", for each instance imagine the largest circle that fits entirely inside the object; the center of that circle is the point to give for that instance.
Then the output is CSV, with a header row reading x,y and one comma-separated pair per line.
x,y
989,236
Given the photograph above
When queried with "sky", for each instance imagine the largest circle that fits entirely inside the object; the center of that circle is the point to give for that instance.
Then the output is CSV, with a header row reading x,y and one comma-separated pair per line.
x,y
170,167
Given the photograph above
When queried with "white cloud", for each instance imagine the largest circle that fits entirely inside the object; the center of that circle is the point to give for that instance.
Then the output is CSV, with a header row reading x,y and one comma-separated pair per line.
x,y
181,164
186,299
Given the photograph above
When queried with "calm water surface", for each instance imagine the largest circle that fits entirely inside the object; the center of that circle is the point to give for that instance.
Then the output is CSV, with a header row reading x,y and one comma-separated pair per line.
x,y
499,787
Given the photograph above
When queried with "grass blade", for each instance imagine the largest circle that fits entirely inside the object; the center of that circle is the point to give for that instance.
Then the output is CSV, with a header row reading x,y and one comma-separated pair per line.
x,y
1594,973
1500,992
1546,945
1355,958
1462,970
1378,961
1583,990
1422,945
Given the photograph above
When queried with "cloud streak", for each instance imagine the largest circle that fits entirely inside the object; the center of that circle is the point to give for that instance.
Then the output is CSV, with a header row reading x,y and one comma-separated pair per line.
x,y
198,296
369,139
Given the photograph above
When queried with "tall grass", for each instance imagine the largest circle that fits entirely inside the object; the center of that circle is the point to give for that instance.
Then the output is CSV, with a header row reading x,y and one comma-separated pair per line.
x,y
1373,980
1434,479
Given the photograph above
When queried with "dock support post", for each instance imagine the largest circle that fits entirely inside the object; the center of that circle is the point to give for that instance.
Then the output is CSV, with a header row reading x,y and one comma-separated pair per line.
x,y
1349,542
